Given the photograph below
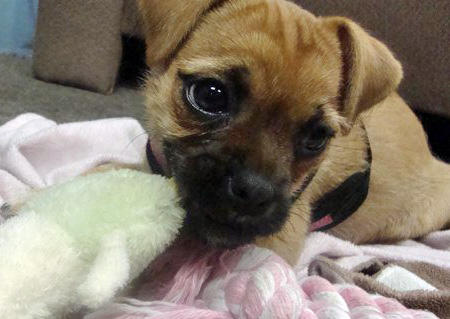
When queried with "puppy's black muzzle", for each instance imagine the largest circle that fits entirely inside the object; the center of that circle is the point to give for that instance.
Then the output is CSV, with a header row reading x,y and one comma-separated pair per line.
x,y
227,203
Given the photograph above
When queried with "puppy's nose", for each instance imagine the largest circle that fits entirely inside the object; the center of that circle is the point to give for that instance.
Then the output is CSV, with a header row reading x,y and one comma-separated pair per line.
x,y
249,188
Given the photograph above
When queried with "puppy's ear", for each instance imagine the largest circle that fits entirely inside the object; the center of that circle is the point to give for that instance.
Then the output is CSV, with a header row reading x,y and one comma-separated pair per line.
x,y
369,70
167,23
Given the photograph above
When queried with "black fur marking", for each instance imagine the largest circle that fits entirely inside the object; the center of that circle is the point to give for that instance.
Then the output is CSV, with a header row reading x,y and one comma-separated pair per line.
x,y
237,78
304,185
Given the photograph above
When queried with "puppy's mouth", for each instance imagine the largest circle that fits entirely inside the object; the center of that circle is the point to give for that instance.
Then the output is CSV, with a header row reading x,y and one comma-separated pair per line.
x,y
225,227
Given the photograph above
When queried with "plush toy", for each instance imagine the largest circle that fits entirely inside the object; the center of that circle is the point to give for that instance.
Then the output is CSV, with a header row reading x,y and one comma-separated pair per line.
x,y
77,245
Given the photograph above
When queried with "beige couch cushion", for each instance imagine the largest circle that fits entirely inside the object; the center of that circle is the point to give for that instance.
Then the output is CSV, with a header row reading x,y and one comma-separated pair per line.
x,y
417,31
78,43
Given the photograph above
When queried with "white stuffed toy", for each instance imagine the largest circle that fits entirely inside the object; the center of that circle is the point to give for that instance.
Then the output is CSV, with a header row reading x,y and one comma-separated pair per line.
x,y
77,245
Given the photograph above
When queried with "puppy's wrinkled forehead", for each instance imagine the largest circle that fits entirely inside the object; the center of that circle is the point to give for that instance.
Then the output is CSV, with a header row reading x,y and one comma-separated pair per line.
x,y
273,50
284,60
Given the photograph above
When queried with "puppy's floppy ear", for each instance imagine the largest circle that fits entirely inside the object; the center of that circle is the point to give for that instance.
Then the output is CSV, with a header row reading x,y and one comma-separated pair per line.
x,y
167,23
369,70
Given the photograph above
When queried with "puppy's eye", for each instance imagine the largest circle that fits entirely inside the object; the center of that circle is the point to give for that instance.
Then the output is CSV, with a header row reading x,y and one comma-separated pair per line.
x,y
208,96
314,140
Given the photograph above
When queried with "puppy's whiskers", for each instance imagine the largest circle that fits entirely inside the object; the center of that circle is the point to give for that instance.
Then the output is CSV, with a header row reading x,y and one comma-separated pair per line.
x,y
133,140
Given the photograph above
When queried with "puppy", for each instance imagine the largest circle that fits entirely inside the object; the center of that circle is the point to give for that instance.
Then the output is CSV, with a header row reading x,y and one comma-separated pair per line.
x,y
275,122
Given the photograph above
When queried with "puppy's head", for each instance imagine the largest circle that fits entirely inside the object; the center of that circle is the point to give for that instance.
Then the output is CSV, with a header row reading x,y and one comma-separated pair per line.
x,y
243,99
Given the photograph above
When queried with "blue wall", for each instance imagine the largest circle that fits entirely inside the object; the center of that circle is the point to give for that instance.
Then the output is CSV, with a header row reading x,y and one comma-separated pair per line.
x,y
17,25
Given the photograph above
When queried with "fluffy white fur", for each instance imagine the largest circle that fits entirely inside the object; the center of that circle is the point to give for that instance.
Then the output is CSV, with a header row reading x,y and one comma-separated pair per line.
x,y
78,244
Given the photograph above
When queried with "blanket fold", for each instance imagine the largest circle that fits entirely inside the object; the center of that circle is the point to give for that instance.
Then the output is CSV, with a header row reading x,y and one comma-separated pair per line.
x,y
36,152
406,281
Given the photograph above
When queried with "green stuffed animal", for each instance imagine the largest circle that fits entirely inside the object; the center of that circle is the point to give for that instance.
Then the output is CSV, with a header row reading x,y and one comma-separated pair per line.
x,y
77,245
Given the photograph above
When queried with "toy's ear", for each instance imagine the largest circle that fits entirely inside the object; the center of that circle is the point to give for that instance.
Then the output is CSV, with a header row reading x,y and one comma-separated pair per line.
x,y
167,24
109,272
369,70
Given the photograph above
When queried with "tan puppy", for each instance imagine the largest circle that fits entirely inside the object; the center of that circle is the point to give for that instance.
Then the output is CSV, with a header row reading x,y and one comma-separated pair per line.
x,y
270,118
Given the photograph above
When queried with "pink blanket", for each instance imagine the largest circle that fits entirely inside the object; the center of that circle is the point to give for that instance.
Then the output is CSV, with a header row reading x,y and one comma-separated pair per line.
x,y
249,282
36,152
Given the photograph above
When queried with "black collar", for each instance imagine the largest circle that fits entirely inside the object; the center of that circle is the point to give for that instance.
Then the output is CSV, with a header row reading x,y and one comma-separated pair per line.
x,y
155,167
340,203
